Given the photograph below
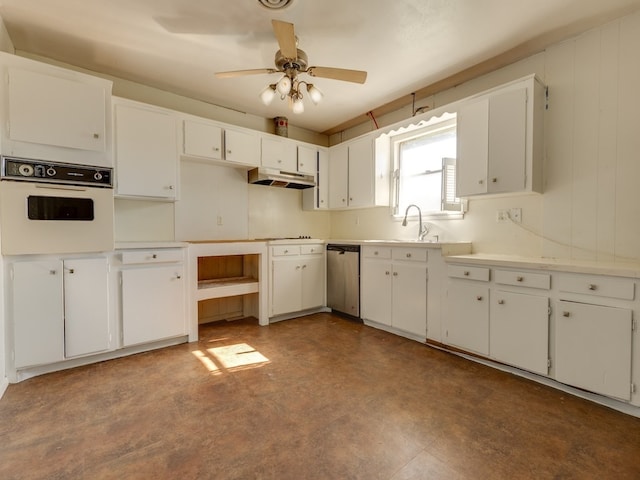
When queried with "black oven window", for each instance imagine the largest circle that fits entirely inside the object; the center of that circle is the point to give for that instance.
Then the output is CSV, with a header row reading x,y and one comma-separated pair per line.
x,y
59,208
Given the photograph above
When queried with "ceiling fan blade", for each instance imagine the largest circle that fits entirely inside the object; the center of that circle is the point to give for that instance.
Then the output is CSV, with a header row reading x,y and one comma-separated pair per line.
x,y
239,73
355,76
286,38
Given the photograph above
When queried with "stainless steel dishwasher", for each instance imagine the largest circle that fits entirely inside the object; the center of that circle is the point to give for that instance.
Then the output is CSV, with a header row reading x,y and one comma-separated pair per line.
x,y
343,279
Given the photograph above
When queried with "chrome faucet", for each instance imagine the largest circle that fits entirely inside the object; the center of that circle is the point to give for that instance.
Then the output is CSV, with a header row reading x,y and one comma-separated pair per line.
x,y
423,229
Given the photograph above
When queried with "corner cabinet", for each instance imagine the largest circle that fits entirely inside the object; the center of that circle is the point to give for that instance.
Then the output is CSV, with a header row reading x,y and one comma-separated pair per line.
x,y
146,151
316,198
499,140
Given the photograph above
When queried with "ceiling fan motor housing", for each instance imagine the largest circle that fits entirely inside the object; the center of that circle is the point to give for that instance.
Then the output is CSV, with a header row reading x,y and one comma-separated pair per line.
x,y
299,64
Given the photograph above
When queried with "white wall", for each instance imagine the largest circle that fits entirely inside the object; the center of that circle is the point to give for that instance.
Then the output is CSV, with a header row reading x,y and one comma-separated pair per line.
x,y
591,204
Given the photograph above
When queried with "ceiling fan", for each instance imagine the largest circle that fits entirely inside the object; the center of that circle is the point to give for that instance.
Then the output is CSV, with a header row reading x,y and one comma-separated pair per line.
x,y
291,61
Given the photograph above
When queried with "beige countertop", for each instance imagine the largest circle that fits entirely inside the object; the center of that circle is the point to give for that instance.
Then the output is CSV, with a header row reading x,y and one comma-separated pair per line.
x,y
618,269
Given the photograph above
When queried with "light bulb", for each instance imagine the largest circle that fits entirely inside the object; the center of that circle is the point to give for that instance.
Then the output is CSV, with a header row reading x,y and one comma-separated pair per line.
x,y
315,94
267,95
284,85
298,106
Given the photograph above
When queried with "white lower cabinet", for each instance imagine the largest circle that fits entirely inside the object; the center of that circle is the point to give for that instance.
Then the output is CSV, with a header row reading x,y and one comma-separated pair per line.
x,y
468,316
394,288
519,330
297,278
59,309
152,297
593,348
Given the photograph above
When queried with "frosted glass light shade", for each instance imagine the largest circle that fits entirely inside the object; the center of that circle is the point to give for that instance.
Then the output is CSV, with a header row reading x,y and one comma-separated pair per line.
x,y
268,94
298,106
284,85
315,94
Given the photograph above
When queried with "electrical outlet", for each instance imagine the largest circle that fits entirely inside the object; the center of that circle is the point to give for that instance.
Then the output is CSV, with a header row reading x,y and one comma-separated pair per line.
x,y
502,216
515,214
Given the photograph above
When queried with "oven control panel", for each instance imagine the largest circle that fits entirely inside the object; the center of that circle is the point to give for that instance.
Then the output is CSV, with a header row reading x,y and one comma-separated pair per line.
x,y
52,172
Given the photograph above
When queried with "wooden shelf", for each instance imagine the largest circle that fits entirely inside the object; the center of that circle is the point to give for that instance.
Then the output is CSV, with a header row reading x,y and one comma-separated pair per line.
x,y
226,287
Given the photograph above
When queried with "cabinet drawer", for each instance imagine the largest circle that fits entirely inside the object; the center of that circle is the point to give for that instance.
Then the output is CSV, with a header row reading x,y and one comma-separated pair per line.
x,y
376,252
523,279
314,249
410,254
285,250
470,273
151,256
621,288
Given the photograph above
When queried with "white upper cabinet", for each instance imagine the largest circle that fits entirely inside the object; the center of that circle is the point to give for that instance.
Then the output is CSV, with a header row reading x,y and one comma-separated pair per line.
x,y
499,136
51,113
280,153
317,198
307,159
202,139
241,147
356,176
146,151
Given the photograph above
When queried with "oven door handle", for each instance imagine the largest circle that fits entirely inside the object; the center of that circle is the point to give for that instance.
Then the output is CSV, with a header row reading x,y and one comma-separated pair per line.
x,y
60,187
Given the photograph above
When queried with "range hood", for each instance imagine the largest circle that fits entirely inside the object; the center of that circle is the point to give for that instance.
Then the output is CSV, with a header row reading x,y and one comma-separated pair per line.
x,y
278,178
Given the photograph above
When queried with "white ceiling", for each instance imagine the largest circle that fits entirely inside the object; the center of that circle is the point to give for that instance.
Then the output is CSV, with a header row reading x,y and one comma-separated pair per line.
x,y
177,45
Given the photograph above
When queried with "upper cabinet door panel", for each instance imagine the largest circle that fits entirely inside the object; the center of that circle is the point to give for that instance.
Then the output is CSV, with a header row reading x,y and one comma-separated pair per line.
x,y
307,159
56,111
242,147
279,153
507,141
202,140
361,173
473,148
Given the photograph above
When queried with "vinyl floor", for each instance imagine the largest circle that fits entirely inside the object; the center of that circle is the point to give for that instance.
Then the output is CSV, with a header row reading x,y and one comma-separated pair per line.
x,y
318,397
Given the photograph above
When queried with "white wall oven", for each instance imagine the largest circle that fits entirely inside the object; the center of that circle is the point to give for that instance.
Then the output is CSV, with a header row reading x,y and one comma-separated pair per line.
x,y
48,207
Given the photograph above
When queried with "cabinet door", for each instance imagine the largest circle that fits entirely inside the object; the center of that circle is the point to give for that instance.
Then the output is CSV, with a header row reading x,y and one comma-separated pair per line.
x,y
307,159
519,330
338,176
86,306
241,147
37,312
468,319
376,286
279,153
410,298
286,283
146,152
152,304
202,140
472,148
593,348
360,173
56,111
507,136
313,282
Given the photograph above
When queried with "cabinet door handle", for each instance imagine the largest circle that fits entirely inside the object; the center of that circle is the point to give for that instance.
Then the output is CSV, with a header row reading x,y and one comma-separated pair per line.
x,y
297,267
96,135
395,274
154,255
216,149
375,253
386,273
480,181
302,164
566,314
170,187
178,277
593,286
304,266
72,271
494,180
465,273
229,152
519,279
500,302
408,255
351,199
52,272
479,298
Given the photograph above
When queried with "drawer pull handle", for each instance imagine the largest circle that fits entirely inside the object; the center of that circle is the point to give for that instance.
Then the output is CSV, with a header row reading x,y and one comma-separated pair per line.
x,y
466,273
375,253
386,273
395,274
154,256
72,271
479,298
286,251
519,279
178,277
408,255
494,180
566,314
592,286
500,302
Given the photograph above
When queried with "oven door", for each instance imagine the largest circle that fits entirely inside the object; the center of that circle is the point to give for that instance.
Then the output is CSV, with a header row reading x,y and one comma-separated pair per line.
x,y
44,218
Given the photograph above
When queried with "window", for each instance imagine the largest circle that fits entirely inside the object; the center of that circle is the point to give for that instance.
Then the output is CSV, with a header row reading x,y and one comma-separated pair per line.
x,y
424,169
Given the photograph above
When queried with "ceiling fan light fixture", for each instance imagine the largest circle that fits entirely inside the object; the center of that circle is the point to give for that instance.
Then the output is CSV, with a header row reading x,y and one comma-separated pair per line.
x,y
315,94
284,85
268,94
297,106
